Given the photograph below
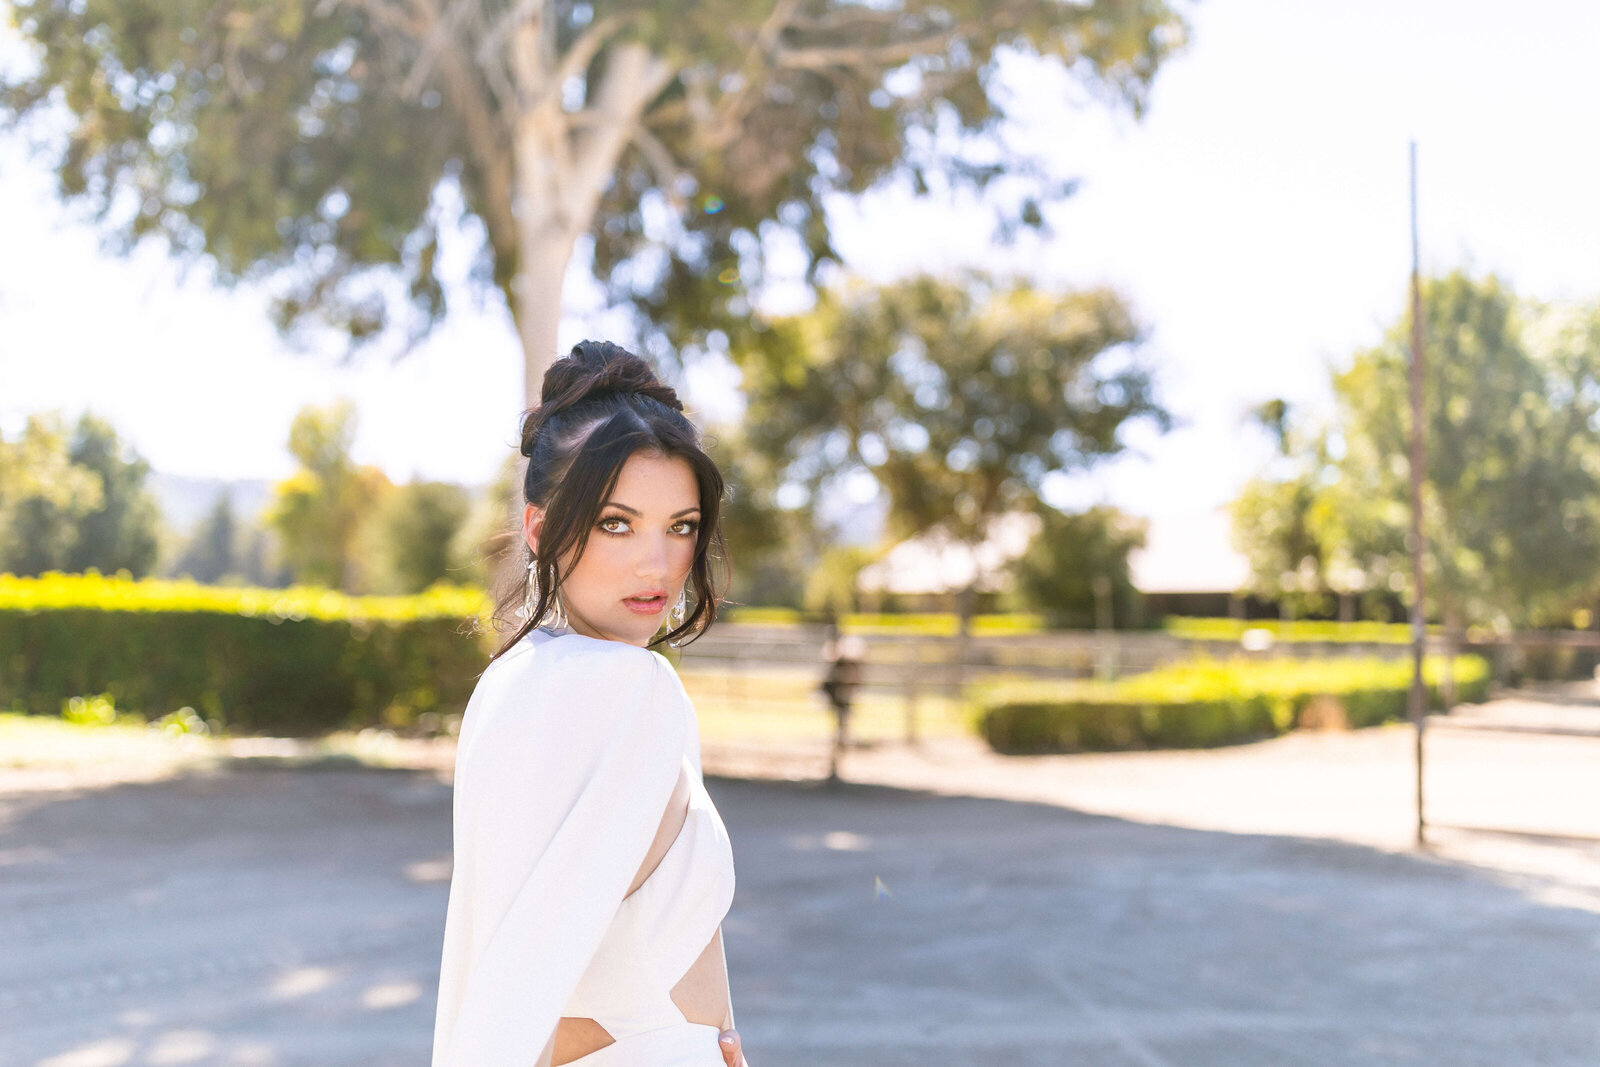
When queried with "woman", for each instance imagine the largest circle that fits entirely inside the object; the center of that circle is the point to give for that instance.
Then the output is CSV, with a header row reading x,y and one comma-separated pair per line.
x,y
592,871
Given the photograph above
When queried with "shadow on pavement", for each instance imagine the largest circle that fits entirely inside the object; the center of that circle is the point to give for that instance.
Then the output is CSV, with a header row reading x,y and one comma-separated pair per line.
x,y
294,917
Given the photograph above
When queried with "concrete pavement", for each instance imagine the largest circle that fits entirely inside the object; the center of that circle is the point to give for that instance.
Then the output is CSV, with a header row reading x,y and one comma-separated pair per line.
x,y
284,917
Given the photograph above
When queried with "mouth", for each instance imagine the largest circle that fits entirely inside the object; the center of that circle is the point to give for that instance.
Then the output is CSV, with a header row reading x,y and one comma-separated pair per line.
x,y
646,604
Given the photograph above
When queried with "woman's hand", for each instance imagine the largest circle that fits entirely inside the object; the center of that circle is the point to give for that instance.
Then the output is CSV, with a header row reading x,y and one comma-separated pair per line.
x,y
732,1053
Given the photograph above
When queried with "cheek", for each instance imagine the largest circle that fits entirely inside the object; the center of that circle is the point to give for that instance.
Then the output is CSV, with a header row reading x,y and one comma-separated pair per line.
x,y
593,566
683,556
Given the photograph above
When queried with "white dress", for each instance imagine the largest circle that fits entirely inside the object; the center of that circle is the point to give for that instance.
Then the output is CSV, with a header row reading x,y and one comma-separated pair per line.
x,y
569,752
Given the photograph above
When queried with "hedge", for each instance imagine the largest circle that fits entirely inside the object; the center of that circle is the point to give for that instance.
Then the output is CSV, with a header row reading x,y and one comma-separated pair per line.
x,y
1206,702
294,661
1195,628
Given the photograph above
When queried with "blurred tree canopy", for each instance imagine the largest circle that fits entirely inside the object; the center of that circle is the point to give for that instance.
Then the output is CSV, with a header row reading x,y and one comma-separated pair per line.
x,y
1295,527
120,534
409,535
74,500
319,509
312,141
211,554
771,548
1057,574
1511,497
958,395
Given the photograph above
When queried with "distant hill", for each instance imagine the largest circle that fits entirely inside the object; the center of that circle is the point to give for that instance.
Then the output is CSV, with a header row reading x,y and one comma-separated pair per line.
x,y
185,501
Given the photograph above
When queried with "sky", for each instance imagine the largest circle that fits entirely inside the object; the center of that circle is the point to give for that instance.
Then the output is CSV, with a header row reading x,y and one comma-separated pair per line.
x,y
1256,219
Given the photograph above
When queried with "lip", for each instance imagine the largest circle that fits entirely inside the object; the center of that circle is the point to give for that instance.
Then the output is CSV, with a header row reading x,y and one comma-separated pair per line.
x,y
649,607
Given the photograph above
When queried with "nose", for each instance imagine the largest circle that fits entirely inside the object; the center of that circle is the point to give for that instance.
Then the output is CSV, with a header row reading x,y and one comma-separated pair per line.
x,y
654,561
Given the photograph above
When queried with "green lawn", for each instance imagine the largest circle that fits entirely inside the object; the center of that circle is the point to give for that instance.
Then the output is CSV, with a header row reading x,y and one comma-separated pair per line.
x,y
785,706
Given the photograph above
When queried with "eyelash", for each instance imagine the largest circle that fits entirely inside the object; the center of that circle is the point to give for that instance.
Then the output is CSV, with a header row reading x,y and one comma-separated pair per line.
x,y
693,524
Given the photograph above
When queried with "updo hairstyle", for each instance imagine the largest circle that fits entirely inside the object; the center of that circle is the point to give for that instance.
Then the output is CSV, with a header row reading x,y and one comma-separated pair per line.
x,y
600,404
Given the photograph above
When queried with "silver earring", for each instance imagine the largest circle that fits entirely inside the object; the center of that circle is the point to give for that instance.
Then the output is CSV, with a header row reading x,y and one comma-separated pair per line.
x,y
556,616
679,610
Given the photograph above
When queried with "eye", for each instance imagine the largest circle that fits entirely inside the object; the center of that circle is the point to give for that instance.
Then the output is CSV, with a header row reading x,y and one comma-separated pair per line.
x,y
687,527
606,524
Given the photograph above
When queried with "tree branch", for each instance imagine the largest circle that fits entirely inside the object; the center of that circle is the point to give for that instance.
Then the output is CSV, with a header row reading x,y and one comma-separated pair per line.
x,y
862,56
482,123
386,14
665,168
438,38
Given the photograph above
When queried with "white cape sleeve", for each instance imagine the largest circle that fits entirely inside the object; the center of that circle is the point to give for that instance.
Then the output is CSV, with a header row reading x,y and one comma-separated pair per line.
x,y
568,756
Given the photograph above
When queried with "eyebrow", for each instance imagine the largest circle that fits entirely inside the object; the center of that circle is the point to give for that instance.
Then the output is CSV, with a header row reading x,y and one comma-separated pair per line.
x,y
636,511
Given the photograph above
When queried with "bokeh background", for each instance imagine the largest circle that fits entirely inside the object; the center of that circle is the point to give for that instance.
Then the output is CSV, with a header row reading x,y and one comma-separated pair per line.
x,y
1057,357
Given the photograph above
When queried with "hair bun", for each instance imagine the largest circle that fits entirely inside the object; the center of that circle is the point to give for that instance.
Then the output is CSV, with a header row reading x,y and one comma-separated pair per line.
x,y
593,368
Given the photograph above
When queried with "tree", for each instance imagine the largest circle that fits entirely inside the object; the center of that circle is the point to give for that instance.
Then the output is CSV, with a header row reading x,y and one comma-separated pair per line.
x,y
1512,484
313,143
318,510
485,544
1075,569
959,396
121,532
210,554
43,497
410,534
771,548
1275,519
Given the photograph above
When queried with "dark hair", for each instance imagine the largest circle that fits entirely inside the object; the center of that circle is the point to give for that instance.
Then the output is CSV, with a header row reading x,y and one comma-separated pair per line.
x,y
600,404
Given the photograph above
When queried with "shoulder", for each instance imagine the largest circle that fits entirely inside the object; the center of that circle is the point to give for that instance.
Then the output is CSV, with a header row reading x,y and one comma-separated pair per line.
x,y
576,658
557,686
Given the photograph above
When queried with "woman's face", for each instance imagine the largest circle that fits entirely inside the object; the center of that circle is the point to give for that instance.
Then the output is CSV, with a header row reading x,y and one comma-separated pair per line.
x,y
638,553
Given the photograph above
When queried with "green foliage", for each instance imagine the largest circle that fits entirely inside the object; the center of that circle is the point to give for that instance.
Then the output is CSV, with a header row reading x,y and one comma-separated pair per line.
x,y
318,511
1512,474
492,527
119,534
932,624
43,497
99,710
830,588
408,538
288,661
1511,494
308,141
1206,702
1058,572
770,548
74,500
1396,633
209,556
958,396
264,133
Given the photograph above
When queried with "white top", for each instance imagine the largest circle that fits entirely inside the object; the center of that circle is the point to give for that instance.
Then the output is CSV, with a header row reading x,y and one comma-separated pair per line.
x,y
569,752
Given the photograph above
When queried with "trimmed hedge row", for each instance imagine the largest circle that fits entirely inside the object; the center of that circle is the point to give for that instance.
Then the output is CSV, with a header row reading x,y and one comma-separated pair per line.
x,y
296,661
1212,629
1207,702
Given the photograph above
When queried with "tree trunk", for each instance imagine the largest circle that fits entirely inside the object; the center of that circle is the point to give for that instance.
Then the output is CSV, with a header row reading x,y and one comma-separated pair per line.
x,y
562,164
545,254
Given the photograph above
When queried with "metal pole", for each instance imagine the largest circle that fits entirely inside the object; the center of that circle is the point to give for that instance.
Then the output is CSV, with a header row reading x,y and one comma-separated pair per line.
x,y
1419,692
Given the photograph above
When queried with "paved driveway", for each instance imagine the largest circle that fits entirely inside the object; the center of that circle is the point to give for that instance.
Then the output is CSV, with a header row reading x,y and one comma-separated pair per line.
x,y
294,917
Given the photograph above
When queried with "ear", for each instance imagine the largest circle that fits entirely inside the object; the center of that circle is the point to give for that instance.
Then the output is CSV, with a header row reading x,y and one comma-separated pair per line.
x,y
532,525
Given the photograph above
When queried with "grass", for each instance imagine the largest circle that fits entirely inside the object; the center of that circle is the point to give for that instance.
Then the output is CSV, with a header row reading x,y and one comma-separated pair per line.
x,y
785,706
128,749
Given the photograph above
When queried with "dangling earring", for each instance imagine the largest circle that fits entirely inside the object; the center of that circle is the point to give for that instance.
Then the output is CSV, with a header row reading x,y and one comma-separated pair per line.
x,y
675,616
556,616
